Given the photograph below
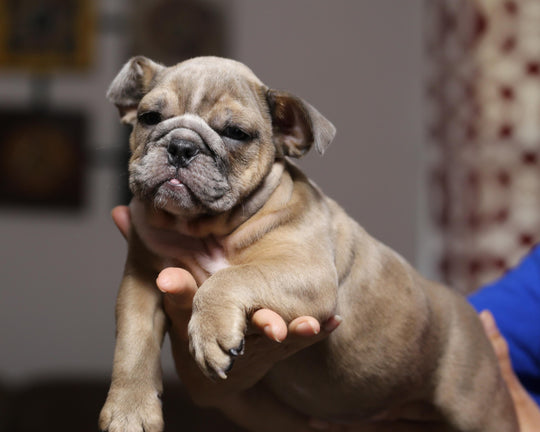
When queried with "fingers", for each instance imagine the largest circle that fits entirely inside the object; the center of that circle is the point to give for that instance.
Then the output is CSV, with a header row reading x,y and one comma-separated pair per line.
x,y
527,410
275,328
499,344
179,287
308,326
270,323
122,219
305,326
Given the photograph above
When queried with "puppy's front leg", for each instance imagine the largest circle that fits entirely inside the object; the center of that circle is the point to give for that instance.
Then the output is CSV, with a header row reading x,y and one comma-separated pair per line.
x,y
223,304
133,403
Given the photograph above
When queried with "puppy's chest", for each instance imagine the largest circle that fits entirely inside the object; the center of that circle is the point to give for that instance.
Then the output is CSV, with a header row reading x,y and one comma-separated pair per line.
x,y
201,263
201,257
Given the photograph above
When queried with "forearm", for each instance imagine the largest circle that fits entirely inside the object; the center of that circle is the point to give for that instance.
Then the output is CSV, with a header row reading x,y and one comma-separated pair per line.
x,y
289,288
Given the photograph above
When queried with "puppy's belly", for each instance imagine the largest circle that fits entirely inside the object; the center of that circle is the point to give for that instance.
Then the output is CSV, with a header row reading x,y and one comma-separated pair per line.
x,y
305,382
338,380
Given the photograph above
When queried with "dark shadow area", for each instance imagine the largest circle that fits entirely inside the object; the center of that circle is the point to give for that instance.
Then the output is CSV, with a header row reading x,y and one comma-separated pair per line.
x,y
68,405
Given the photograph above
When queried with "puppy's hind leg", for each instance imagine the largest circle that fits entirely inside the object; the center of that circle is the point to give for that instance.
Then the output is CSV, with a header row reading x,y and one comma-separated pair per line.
x,y
475,398
498,417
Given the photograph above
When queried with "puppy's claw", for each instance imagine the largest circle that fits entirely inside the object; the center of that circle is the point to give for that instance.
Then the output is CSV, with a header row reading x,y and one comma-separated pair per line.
x,y
235,352
223,374
214,372
229,368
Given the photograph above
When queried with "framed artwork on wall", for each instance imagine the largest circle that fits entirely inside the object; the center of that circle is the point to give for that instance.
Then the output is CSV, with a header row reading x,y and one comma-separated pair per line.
x,y
42,159
44,35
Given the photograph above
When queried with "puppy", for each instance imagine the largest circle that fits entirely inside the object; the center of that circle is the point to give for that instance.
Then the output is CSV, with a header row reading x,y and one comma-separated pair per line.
x,y
215,193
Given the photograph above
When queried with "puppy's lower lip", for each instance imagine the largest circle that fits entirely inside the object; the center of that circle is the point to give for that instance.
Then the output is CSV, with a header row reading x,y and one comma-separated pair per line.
x,y
175,182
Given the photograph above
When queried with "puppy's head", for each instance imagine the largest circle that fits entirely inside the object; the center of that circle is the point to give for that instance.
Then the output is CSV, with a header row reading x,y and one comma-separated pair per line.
x,y
206,132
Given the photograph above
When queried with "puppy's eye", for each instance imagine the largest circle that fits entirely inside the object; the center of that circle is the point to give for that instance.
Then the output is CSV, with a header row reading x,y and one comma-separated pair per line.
x,y
235,133
149,118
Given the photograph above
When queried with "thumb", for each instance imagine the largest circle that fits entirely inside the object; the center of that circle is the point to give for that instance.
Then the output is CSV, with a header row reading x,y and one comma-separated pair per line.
x,y
179,287
122,219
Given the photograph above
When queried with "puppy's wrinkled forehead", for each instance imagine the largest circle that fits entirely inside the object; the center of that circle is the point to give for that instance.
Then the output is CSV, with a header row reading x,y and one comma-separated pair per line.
x,y
201,84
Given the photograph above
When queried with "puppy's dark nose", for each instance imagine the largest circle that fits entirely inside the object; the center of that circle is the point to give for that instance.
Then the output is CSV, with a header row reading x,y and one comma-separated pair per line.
x,y
181,152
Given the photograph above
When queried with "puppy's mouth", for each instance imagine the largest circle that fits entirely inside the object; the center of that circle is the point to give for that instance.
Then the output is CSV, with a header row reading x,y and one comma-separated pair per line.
x,y
175,184
179,192
175,196
176,187
200,188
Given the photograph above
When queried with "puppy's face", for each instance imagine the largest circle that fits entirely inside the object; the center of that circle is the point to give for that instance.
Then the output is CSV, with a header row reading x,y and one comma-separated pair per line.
x,y
202,139
206,132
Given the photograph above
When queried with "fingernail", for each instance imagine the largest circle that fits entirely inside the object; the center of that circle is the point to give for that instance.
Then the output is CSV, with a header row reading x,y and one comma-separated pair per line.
x,y
270,333
332,323
308,327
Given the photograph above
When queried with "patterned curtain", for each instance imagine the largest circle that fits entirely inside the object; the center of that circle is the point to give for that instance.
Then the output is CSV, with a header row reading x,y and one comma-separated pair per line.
x,y
483,153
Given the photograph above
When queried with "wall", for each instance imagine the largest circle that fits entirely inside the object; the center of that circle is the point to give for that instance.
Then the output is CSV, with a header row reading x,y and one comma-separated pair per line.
x,y
359,63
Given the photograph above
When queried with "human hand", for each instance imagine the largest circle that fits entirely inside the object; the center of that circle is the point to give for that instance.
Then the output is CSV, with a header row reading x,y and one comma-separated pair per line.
x,y
266,329
528,412
179,287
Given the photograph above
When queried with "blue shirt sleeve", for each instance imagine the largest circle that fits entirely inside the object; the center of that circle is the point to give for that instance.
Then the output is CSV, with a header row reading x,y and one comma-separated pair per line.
x,y
514,301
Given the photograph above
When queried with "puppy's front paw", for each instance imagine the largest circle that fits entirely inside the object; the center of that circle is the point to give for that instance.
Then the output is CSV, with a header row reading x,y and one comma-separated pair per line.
x,y
131,410
216,338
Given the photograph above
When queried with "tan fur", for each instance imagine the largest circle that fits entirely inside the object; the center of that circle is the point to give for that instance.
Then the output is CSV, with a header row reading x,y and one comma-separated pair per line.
x,y
256,233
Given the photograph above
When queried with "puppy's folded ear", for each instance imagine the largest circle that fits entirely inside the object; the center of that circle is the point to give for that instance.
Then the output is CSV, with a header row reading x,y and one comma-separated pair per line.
x,y
130,85
297,126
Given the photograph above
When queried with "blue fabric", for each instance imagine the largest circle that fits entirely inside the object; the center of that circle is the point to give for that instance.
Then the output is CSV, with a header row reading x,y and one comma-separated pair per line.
x,y
514,301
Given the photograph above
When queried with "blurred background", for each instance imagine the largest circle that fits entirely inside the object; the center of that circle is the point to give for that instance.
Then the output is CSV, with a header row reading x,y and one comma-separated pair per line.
x,y
437,107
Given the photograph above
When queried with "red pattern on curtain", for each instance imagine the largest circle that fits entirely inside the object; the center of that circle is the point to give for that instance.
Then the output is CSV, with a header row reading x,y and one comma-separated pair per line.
x,y
484,135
